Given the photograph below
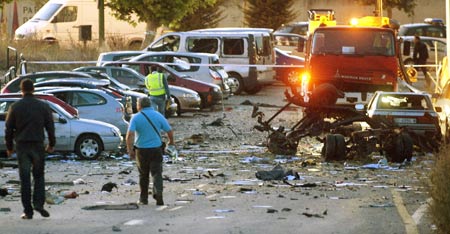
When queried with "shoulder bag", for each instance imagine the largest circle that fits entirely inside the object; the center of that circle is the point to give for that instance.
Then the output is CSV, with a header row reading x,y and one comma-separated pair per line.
x,y
163,144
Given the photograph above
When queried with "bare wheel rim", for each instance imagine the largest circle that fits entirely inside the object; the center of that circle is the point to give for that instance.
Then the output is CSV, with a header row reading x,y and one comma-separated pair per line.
x,y
89,148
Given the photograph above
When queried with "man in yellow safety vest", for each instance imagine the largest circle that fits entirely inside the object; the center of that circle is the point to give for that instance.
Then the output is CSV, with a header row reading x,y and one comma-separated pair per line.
x,y
158,89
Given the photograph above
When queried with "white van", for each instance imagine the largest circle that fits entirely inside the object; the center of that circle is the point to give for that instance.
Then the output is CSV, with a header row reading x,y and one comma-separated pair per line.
x,y
69,21
241,51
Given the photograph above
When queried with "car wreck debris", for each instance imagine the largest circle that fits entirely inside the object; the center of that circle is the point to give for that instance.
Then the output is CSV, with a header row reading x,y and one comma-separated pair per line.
x,y
341,125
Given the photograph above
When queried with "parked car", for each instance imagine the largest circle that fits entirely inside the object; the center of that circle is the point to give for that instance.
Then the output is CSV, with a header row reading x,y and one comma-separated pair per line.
x,y
87,138
91,104
13,85
101,84
126,91
187,100
47,97
117,56
440,48
210,94
431,27
413,111
300,28
186,63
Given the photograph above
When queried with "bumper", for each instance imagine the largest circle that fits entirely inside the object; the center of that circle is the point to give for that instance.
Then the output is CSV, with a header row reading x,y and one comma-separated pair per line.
x,y
111,143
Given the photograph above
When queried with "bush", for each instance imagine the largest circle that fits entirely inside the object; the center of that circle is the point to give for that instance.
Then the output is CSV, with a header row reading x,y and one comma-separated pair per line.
x,y
440,192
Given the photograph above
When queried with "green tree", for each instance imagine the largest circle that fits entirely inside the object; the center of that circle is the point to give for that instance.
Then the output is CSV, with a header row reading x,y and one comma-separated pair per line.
x,y
406,6
3,2
155,12
268,13
204,17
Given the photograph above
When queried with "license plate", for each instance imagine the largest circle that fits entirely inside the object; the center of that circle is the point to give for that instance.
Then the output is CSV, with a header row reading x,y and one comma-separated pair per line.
x,y
405,120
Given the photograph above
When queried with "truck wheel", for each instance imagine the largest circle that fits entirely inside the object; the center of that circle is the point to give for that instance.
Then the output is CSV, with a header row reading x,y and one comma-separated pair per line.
x,y
403,148
341,149
239,83
88,147
329,147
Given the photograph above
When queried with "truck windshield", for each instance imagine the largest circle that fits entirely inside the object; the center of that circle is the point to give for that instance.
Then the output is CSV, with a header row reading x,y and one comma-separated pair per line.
x,y
353,41
47,11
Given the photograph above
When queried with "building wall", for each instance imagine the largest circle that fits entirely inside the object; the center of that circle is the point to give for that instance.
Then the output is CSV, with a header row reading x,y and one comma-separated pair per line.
x,y
344,11
15,14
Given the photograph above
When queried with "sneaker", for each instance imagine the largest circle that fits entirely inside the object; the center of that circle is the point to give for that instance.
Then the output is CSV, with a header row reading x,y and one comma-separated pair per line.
x,y
43,212
26,216
139,202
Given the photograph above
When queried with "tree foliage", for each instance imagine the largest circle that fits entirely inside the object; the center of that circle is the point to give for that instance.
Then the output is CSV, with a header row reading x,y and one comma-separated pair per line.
x,y
406,6
155,12
204,17
268,13
3,2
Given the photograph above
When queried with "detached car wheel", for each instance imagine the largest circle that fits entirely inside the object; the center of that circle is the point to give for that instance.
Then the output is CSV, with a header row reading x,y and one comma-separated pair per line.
x,y
88,147
329,147
340,147
403,148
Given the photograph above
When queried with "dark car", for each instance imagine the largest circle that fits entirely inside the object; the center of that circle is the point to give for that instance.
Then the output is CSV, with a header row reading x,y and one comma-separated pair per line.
x,y
210,94
13,86
430,28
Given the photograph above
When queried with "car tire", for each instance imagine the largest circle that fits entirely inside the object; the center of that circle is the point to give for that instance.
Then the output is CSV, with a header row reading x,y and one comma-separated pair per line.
x,y
88,147
329,147
237,79
341,149
403,148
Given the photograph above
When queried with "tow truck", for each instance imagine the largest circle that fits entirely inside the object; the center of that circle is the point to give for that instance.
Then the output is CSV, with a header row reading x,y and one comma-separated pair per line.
x,y
344,66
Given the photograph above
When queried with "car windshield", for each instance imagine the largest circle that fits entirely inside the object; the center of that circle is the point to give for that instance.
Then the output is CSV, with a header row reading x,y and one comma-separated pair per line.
x,y
353,42
47,11
403,102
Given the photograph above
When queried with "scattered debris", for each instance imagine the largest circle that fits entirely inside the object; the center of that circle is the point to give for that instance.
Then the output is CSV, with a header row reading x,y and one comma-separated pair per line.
x,y
3,192
108,187
271,211
5,209
127,206
309,215
79,181
70,195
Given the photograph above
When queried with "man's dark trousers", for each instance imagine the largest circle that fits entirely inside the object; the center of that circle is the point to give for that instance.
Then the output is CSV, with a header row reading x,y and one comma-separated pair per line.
x,y
149,160
31,159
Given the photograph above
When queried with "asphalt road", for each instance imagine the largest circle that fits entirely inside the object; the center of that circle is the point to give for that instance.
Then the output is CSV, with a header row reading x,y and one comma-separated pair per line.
x,y
213,187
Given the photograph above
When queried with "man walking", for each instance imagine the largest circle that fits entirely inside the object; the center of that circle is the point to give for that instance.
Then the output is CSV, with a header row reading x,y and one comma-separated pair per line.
x,y
420,57
158,89
144,144
25,124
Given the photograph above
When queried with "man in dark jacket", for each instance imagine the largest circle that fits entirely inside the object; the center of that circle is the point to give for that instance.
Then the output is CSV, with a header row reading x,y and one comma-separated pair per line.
x,y
25,124
420,57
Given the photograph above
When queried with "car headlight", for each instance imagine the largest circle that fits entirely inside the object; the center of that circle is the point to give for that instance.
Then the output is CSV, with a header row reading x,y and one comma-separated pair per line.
x,y
217,90
19,36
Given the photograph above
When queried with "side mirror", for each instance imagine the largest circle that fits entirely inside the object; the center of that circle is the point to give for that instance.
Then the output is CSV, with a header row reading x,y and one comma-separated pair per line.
x,y
438,109
62,120
406,48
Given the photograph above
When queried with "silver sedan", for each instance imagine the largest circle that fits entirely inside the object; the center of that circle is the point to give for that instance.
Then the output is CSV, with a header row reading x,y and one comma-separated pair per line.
x,y
87,138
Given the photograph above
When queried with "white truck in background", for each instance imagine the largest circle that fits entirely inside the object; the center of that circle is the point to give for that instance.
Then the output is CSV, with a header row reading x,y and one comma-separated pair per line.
x,y
68,22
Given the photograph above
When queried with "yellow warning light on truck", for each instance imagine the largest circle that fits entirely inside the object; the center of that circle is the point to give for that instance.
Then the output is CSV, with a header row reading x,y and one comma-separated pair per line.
x,y
320,17
370,21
